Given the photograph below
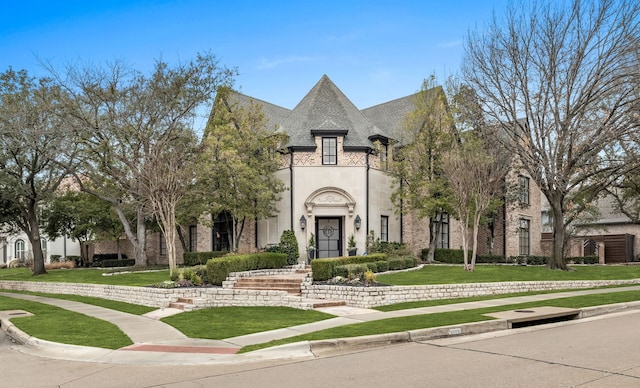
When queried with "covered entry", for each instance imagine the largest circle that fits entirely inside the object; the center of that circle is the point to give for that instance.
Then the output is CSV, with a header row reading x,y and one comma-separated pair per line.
x,y
329,236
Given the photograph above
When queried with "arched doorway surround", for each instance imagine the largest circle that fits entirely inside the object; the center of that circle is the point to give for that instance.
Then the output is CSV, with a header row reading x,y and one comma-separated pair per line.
x,y
328,210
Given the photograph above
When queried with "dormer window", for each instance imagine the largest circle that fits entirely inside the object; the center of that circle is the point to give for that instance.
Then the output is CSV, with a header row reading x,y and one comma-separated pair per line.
x,y
329,150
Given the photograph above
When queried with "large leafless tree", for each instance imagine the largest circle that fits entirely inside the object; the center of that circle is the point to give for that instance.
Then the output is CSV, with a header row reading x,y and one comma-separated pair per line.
x,y
37,151
137,133
560,82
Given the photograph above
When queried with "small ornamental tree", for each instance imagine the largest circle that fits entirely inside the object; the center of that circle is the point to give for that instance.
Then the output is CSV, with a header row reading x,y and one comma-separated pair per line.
x,y
289,246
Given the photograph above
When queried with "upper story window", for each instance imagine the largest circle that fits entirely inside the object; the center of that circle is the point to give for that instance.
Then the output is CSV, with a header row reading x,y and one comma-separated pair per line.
x,y
329,150
384,155
523,190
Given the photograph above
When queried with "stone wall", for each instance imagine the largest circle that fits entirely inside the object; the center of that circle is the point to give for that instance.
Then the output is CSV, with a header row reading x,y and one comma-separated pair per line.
x,y
364,297
161,298
368,297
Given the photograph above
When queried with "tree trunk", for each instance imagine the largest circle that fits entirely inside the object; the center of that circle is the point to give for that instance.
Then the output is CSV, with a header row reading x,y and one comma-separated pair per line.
x,y
138,240
34,238
556,261
434,227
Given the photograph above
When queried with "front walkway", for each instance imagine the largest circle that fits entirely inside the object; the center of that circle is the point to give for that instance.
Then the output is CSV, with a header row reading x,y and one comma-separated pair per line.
x,y
158,343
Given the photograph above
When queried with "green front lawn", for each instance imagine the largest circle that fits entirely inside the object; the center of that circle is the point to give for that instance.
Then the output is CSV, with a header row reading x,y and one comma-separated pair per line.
x,y
447,274
86,275
59,325
402,324
228,322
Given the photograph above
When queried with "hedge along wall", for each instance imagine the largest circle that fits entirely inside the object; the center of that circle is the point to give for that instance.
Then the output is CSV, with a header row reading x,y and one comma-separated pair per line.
x,y
323,269
218,269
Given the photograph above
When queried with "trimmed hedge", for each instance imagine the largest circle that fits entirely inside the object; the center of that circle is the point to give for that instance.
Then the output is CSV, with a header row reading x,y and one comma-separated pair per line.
x,y
219,268
323,269
118,263
108,256
200,258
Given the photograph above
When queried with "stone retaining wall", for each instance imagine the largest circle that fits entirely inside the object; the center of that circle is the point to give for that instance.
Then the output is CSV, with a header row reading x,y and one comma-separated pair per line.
x,y
364,297
368,297
161,297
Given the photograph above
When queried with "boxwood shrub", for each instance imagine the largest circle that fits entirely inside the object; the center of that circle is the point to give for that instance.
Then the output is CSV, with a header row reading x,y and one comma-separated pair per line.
x,y
323,269
219,268
200,258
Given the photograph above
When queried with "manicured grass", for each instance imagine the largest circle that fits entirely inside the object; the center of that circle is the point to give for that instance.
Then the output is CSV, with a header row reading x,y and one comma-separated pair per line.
x,y
86,275
401,324
59,325
228,322
447,274
135,309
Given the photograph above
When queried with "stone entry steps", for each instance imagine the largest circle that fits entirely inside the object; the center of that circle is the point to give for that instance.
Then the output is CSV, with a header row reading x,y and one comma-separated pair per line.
x,y
290,284
185,304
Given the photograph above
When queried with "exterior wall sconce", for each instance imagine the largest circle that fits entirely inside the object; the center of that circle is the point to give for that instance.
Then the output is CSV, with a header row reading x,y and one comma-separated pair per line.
x,y
358,222
303,222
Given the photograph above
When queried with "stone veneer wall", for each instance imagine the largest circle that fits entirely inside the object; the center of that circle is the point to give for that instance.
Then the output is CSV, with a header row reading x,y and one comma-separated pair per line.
x,y
161,298
364,297
368,297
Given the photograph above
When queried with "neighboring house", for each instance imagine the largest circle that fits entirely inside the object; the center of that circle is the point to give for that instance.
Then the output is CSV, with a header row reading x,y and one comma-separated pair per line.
x,y
335,169
17,246
612,235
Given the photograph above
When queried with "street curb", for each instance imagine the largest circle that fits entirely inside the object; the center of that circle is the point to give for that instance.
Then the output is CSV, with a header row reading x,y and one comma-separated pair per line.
x,y
15,335
359,343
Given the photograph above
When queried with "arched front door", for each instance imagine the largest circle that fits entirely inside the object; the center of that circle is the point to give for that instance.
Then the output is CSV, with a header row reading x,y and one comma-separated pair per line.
x,y
329,236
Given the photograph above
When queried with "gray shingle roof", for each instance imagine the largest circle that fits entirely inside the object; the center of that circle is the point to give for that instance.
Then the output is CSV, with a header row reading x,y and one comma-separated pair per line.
x,y
326,108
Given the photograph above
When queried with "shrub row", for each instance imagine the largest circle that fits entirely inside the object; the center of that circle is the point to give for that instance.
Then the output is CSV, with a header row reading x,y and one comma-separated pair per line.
x,y
107,256
219,268
323,269
354,266
455,256
191,259
118,263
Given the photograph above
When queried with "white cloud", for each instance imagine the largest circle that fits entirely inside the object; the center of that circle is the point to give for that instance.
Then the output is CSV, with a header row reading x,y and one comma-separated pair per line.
x,y
265,63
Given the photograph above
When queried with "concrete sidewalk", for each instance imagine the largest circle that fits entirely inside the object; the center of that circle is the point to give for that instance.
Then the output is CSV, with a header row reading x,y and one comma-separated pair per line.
x,y
158,343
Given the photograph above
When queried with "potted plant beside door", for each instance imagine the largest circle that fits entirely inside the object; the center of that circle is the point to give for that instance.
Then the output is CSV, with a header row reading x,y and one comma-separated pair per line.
x,y
352,246
311,249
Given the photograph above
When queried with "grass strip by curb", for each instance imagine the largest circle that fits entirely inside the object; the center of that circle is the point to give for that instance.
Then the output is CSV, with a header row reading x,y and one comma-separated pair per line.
x,y
229,322
402,324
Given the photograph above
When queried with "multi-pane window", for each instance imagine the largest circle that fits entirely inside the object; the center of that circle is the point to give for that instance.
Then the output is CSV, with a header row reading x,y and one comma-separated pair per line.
x,y
329,150
163,245
384,151
384,228
523,189
524,236
193,238
19,249
441,223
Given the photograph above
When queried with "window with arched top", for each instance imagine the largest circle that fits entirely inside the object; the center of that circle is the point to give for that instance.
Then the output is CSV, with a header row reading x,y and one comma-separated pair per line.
x,y
19,249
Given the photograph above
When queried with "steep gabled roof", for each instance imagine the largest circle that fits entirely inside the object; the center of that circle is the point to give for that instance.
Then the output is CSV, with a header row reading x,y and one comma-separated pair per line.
x,y
274,114
326,108
391,115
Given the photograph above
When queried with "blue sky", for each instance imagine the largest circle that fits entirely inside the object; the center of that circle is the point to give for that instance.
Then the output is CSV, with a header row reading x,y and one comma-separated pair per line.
x,y
374,51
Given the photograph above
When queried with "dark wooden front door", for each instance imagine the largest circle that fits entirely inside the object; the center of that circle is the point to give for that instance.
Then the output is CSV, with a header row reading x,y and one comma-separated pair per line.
x,y
329,236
